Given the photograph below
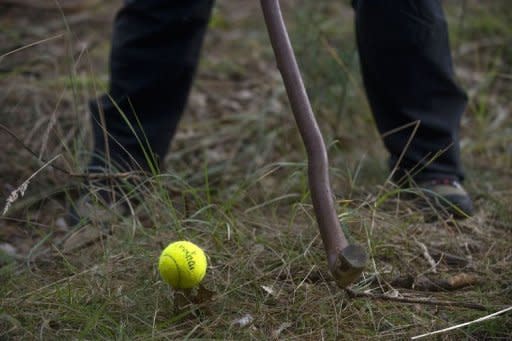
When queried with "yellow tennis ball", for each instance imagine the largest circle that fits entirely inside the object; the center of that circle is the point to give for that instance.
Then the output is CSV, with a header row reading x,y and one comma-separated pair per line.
x,y
182,264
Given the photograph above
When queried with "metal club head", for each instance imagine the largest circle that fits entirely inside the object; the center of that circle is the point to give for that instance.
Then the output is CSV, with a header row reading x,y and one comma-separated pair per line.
x,y
349,265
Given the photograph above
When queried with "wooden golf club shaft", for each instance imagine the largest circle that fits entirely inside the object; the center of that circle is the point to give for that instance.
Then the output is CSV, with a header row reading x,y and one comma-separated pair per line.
x,y
318,165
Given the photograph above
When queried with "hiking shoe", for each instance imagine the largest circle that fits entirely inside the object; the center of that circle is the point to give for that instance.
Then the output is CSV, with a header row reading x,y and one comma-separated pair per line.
x,y
448,196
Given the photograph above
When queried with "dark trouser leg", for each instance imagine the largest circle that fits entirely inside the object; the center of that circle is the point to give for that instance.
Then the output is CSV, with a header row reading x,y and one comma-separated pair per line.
x,y
155,51
408,76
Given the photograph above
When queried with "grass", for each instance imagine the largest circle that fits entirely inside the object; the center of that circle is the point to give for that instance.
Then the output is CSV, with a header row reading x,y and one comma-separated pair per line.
x,y
235,183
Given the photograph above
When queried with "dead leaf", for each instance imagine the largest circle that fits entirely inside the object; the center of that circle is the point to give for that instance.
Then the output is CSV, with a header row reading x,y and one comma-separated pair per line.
x,y
463,280
243,321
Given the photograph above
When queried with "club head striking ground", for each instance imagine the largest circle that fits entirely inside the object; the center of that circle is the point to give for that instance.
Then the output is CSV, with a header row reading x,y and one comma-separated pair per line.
x,y
349,265
346,262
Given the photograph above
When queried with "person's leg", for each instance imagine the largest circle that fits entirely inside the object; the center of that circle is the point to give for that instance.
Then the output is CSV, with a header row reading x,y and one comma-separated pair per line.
x,y
155,52
408,76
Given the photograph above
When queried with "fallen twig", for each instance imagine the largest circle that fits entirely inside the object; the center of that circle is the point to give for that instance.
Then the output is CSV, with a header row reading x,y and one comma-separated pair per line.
x,y
27,148
132,175
30,45
448,258
428,257
415,300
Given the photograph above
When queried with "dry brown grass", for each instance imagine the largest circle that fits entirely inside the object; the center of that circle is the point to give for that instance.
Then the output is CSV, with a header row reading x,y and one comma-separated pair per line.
x,y
239,190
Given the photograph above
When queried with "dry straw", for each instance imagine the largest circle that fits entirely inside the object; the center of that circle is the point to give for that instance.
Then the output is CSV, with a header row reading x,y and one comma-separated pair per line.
x,y
481,319
20,191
